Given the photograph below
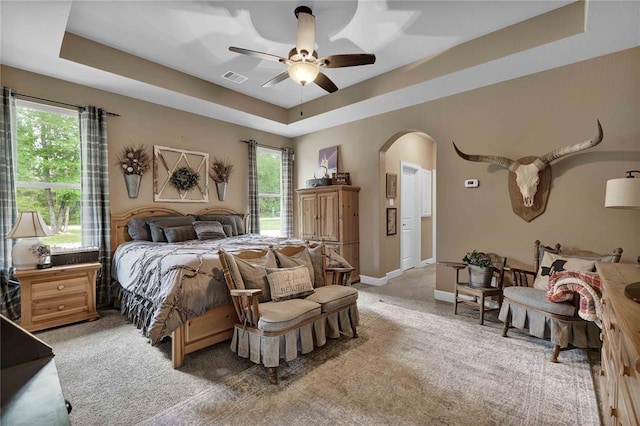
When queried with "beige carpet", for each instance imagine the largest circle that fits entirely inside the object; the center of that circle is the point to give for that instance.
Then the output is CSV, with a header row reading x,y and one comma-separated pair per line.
x,y
408,367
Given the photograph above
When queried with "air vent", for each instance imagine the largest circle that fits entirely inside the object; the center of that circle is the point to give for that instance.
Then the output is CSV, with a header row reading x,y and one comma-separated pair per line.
x,y
235,77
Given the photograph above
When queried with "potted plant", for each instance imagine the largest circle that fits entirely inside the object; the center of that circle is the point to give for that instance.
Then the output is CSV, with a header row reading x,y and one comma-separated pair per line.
x,y
134,162
219,173
480,269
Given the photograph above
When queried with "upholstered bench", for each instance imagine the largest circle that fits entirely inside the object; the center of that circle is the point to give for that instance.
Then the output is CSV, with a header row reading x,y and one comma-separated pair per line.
x,y
281,313
525,304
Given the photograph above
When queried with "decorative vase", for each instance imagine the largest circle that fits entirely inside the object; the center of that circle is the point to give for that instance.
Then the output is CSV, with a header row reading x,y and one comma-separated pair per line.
x,y
133,185
221,187
480,276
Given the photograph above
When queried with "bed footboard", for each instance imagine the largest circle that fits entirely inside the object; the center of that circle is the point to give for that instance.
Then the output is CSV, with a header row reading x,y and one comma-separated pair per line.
x,y
214,326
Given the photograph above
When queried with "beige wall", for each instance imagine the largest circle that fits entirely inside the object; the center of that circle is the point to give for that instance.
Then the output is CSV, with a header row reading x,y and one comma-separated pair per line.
x,y
527,116
151,124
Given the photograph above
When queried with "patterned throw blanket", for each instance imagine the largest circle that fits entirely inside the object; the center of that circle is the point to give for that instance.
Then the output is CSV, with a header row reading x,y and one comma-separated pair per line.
x,y
564,285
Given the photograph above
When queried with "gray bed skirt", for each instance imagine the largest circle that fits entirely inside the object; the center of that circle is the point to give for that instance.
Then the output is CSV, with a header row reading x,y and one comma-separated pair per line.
x,y
579,334
270,350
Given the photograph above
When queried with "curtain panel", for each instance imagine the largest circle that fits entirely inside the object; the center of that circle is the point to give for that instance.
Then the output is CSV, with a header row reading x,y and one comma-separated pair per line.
x,y
287,192
95,212
254,207
9,291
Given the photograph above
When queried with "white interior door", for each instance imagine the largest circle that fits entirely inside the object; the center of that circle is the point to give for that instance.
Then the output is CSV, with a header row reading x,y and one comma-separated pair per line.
x,y
410,219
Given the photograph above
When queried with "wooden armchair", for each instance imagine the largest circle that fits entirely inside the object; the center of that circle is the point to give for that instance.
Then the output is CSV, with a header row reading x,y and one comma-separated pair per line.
x,y
526,307
269,330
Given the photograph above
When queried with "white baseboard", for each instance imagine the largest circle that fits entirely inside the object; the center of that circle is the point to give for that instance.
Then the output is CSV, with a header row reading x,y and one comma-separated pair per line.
x,y
426,262
364,279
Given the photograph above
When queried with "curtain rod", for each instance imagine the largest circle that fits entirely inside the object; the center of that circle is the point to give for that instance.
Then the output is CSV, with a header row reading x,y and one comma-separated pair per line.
x,y
268,146
57,102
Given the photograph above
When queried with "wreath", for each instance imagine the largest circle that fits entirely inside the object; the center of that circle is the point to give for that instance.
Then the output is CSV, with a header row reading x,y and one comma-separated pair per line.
x,y
184,179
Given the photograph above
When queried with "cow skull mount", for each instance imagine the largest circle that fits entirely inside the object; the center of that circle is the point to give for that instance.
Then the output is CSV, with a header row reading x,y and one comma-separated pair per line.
x,y
531,176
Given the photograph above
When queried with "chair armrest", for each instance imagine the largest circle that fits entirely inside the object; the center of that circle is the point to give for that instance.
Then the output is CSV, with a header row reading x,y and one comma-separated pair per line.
x,y
521,276
246,292
341,276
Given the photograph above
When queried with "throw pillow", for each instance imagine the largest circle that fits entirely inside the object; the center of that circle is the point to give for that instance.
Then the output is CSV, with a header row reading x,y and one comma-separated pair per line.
x,y
289,283
315,253
158,223
175,234
302,258
557,262
138,229
228,231
224,219
251,273
209,230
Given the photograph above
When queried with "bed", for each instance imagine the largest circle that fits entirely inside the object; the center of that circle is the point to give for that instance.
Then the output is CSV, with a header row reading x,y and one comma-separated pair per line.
x,y
176,289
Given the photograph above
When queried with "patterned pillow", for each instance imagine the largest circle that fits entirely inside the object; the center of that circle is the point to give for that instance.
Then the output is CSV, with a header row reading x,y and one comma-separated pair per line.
x,y
301,258
251,273
209,230
175,234
289,283
558,262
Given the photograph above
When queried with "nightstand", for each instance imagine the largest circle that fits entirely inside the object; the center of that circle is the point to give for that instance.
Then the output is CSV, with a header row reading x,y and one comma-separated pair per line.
x,y
57,296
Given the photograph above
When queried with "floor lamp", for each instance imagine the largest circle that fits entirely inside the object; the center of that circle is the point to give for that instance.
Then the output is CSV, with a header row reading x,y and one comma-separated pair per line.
x,y
27,251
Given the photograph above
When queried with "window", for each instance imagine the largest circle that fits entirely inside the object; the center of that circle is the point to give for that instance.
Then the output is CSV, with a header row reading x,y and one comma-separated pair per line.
x,y
48,169
269,190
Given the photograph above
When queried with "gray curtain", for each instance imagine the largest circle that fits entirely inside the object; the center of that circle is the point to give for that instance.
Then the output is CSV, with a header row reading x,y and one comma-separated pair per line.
x,y
254,207
10,291
96,218
287,192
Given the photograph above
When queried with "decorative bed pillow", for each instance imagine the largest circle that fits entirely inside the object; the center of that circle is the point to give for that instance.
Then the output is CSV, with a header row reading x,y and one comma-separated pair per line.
x,y
334,260
209,230
158,223
138,229
228,230
239,219
289,283
302,258
176,234
558,262
224,219
251,273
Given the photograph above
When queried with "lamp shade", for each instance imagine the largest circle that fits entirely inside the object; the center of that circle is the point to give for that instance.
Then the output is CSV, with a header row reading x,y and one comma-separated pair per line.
x,y
623,193
303,72
29,224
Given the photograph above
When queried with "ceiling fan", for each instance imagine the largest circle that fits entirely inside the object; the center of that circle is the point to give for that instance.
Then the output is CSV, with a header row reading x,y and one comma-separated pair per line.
x,y
304,64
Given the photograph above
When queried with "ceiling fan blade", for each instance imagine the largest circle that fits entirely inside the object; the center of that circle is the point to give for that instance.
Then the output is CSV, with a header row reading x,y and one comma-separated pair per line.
x,y
306,35
260,55
324,82
277,79
347,60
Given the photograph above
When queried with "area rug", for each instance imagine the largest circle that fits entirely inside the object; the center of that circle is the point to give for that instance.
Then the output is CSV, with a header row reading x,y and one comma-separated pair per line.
x,y
407,367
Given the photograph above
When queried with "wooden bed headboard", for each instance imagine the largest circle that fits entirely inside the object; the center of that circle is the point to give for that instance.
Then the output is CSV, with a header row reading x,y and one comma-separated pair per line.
x,y
120,233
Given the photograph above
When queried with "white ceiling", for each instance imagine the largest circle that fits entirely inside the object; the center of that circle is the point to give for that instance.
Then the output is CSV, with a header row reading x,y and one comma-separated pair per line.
x,y
193,37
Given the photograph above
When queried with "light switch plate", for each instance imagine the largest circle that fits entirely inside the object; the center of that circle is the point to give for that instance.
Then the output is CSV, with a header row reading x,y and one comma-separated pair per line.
x,y
471,183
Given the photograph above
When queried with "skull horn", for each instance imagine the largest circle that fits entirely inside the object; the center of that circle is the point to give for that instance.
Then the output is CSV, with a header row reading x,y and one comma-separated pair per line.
x,y
561,152
493,159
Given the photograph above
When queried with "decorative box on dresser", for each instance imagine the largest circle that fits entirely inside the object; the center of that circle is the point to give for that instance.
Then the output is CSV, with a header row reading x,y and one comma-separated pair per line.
x,y
330,214
620,366
57,296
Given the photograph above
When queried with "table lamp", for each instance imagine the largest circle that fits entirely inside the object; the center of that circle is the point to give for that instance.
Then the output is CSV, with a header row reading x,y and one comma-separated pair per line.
x,y
624,193
26,251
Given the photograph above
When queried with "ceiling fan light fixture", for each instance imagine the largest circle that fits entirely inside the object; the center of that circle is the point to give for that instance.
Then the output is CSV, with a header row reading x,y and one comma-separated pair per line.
x,y
303,72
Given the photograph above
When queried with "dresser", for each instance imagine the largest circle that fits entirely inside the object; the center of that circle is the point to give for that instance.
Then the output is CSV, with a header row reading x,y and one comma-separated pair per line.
x,y
331,214
57,296
620,365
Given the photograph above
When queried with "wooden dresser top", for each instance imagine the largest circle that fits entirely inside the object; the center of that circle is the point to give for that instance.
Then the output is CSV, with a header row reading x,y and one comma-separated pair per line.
x,y
615,277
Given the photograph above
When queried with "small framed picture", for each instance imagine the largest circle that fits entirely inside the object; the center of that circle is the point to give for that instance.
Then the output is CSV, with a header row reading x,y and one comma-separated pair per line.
x,y
392,185
343,178
392,221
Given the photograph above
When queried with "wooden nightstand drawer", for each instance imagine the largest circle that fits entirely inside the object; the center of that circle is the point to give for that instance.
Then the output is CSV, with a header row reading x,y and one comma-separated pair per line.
x,y
57,296
61,286
59,307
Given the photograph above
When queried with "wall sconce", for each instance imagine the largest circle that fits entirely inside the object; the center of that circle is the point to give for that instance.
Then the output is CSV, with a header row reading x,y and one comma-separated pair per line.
x,y
27,251
623,193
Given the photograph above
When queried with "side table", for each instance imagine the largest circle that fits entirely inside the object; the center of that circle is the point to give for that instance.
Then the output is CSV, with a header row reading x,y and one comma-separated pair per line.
x,y
57,296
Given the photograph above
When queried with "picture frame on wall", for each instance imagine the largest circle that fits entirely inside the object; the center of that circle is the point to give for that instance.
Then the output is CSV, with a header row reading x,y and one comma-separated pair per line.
x,y
392,221
392,185
328,160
